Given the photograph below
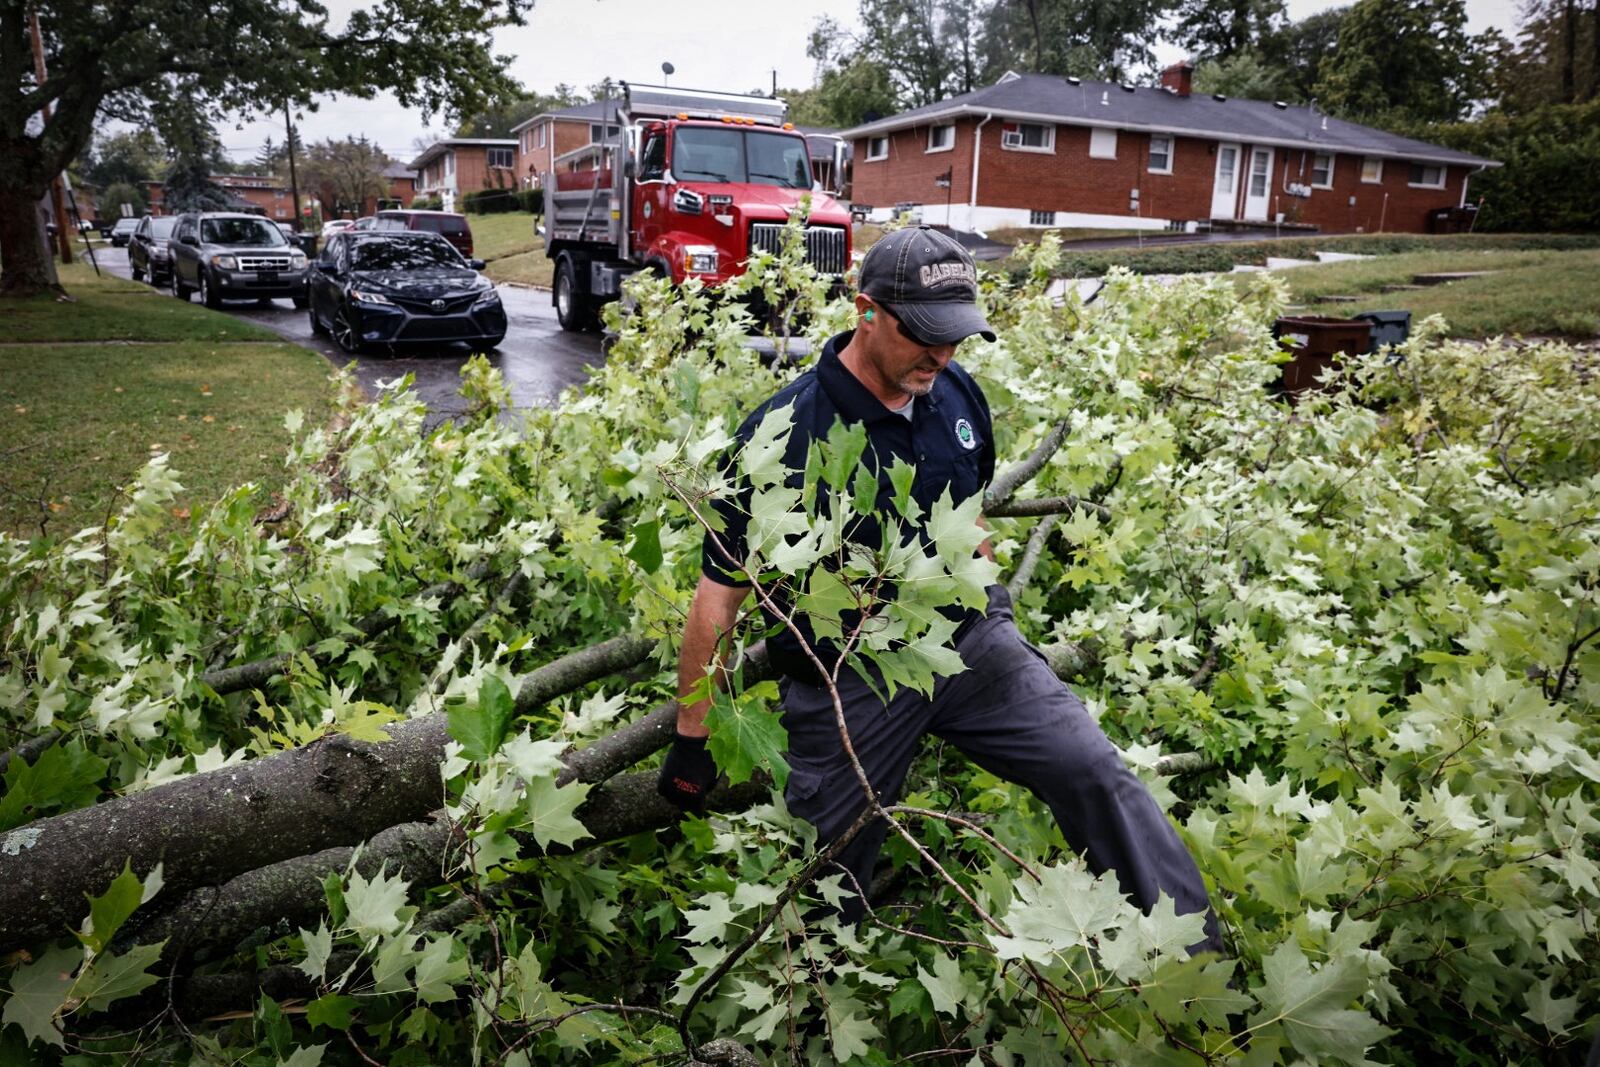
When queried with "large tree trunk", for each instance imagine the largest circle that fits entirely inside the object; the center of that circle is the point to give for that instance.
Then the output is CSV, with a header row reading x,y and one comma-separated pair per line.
x,y
26,267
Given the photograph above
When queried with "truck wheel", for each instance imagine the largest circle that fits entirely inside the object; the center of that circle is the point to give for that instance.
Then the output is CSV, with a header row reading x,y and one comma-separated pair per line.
x,y
574,309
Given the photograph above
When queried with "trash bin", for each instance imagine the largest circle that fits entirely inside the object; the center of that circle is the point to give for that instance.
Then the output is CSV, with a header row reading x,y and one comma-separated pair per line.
x,y
1389,328
1317,342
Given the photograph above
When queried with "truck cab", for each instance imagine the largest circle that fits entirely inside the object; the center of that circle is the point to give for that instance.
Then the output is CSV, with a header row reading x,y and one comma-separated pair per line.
x,y
690,186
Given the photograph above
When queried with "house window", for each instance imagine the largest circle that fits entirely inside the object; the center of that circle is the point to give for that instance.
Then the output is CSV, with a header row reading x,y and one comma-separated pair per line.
x,y
1160,153
1102,143
877,148
1427,175
594,133
502,158
1028,137
1041,218
1322,170
941,138
538,133
449,163
1371,170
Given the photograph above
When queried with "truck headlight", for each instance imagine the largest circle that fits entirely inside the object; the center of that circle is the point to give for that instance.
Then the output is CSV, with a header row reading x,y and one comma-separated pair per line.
x,y
700,259
225,262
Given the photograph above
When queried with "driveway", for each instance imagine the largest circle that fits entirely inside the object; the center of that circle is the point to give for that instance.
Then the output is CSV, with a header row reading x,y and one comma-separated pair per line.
x,y
537,359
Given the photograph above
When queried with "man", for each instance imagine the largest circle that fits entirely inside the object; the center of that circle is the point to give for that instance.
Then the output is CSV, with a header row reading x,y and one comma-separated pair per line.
x,y
1007,711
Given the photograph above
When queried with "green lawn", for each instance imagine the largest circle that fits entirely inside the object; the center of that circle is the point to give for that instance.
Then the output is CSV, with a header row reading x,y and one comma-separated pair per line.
x,y
510,249
1543,293
80,419
108,308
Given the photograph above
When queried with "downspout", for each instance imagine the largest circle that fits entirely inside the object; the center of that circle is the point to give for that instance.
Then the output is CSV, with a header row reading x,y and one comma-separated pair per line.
x,y
1467,180
977,152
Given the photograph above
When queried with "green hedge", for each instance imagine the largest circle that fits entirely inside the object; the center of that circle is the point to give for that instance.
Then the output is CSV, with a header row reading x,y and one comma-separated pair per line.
x,y
1198,258
496,201
428,203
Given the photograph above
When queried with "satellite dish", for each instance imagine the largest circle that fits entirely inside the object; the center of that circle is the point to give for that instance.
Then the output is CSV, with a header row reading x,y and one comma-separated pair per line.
x,y
668,69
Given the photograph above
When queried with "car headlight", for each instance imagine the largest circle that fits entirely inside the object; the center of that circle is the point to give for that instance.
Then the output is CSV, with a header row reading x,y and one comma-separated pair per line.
x,y
225,262
700,259
297,261
487,299
158,252
366,297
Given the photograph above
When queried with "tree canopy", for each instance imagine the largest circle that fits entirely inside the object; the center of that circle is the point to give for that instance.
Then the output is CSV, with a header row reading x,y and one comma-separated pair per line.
x,y
121,62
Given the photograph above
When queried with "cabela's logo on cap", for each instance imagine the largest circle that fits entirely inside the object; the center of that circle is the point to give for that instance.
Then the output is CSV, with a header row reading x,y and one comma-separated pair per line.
x,y
965,435
934,275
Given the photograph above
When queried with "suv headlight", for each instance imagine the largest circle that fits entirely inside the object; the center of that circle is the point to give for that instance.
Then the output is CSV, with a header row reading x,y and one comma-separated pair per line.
x,y
159,252
366,297
297,261
225,262
700,259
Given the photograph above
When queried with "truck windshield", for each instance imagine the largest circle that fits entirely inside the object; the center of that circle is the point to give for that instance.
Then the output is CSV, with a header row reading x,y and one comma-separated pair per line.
x,y
726,155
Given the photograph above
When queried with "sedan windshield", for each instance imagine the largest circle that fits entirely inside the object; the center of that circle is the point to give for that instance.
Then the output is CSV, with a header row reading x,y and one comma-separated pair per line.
x,y
420,253
728,155
247,233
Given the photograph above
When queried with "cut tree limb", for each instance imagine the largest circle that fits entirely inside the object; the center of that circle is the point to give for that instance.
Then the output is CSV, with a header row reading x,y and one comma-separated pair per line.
x,y
1014,477
211,827
1048,505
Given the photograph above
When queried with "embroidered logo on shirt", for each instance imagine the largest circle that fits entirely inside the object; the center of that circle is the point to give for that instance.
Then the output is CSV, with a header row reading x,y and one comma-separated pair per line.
x,y
964,434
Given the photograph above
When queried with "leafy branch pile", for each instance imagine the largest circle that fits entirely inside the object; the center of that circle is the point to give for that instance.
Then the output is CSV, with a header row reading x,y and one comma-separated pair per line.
x,y
360,774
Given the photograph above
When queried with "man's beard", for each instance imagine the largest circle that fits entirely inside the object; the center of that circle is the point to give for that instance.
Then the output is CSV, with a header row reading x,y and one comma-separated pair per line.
x,y
911,387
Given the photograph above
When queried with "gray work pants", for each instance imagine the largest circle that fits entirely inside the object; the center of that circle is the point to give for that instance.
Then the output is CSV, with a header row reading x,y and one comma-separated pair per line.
x,y
1014,718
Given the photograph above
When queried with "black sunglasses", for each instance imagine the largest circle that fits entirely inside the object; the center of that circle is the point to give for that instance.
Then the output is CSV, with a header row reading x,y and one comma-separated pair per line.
x,y
905,331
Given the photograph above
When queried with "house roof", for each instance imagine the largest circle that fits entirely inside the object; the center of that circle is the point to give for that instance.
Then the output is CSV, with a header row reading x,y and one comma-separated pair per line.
x,y
439,148
590,112
396,169
1048,98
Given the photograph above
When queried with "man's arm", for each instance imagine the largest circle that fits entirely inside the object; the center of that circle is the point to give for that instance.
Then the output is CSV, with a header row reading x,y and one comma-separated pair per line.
x,y
689,771
712,613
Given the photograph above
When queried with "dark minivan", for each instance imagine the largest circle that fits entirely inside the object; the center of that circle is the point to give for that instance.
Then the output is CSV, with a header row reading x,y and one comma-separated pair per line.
x,y
446,224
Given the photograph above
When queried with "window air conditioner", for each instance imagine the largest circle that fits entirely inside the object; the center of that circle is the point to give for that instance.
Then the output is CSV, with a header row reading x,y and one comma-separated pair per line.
x,y
1011,139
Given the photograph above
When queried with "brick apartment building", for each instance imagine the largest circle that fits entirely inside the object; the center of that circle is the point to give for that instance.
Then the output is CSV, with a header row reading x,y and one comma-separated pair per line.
x,y
257,194
402,190
562,140
451,168
1055,151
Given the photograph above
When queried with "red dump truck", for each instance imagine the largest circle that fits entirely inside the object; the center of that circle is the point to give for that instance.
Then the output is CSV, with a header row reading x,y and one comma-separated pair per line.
x,y
687,184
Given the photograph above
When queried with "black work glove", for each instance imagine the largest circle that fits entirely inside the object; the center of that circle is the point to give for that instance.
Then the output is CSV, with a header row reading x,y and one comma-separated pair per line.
x,y
688,773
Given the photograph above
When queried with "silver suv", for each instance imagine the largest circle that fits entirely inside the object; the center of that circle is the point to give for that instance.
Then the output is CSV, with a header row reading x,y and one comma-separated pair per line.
x,y
231,256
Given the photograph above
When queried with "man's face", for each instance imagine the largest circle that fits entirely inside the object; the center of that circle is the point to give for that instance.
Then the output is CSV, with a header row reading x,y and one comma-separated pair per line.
x,y
903,360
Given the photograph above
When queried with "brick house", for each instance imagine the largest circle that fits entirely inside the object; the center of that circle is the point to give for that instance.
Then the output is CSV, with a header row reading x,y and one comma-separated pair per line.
x,y
254,194
460,165
402,190
561,140
1059,151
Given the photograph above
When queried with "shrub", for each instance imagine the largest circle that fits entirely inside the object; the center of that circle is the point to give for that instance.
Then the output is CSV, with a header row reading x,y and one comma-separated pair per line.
x,y
491,201
427,203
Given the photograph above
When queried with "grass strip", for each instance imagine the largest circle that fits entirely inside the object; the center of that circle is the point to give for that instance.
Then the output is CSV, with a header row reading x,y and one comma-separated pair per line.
x,y
80,421
107,308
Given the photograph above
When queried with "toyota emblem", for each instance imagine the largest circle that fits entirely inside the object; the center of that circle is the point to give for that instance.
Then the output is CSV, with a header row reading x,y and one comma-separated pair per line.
x,y
438,305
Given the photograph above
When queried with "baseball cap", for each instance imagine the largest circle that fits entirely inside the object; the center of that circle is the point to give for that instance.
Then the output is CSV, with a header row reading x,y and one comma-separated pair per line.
x,y
927,281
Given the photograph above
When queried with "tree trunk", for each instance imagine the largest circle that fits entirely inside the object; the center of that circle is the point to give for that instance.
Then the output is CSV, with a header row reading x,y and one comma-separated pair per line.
x,y
26,267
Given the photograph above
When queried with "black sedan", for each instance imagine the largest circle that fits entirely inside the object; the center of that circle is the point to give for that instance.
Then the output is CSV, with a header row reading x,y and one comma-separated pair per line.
x,y
389,289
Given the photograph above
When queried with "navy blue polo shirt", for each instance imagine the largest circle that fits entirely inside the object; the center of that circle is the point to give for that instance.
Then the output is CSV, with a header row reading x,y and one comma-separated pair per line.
x,y
949,440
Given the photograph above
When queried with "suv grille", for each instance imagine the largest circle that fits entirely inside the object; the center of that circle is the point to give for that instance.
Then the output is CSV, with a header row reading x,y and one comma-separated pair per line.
x,y
824,244
261,263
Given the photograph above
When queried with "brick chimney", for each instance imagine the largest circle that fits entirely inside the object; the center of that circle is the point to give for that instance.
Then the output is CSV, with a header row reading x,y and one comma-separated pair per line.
x,y
1179,77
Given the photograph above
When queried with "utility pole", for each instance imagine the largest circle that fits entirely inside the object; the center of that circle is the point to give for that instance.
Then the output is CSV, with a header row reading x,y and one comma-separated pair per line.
x,y
774,83
57,201
294,182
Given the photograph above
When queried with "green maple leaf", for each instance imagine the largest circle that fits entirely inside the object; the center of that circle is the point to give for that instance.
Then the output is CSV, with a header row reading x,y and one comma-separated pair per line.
x,y
333,1011
110,978
850,1034
548,812
944,985
481,729
440,966
305,1056
109,910
1146,940
746,734
761,459
645,548
1066,908
318,946
1314,1006
62,778
826,598
709,922
375,906
38,990
1553,1013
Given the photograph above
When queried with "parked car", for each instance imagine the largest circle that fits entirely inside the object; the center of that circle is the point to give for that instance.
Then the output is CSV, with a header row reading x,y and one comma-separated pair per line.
x,y
148,253
365,222
333,226
224,255
122,232
450,226
306,242
399,288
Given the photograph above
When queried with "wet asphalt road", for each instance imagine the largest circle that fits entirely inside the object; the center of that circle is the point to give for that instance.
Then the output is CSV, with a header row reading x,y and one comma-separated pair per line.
x,y
537,358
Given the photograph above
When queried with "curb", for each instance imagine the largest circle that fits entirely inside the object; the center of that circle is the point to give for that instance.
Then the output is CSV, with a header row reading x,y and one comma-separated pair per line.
x,y
525,285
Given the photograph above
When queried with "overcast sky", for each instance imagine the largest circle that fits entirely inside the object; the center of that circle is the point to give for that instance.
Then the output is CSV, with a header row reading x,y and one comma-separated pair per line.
x,y
711,45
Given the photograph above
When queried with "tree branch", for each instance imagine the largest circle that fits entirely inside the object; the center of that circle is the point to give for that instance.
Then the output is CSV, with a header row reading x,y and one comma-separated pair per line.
x,y
1006,484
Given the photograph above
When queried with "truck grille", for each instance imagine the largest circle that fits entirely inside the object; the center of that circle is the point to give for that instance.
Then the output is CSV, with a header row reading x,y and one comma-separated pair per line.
x,y
261,263
824,244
